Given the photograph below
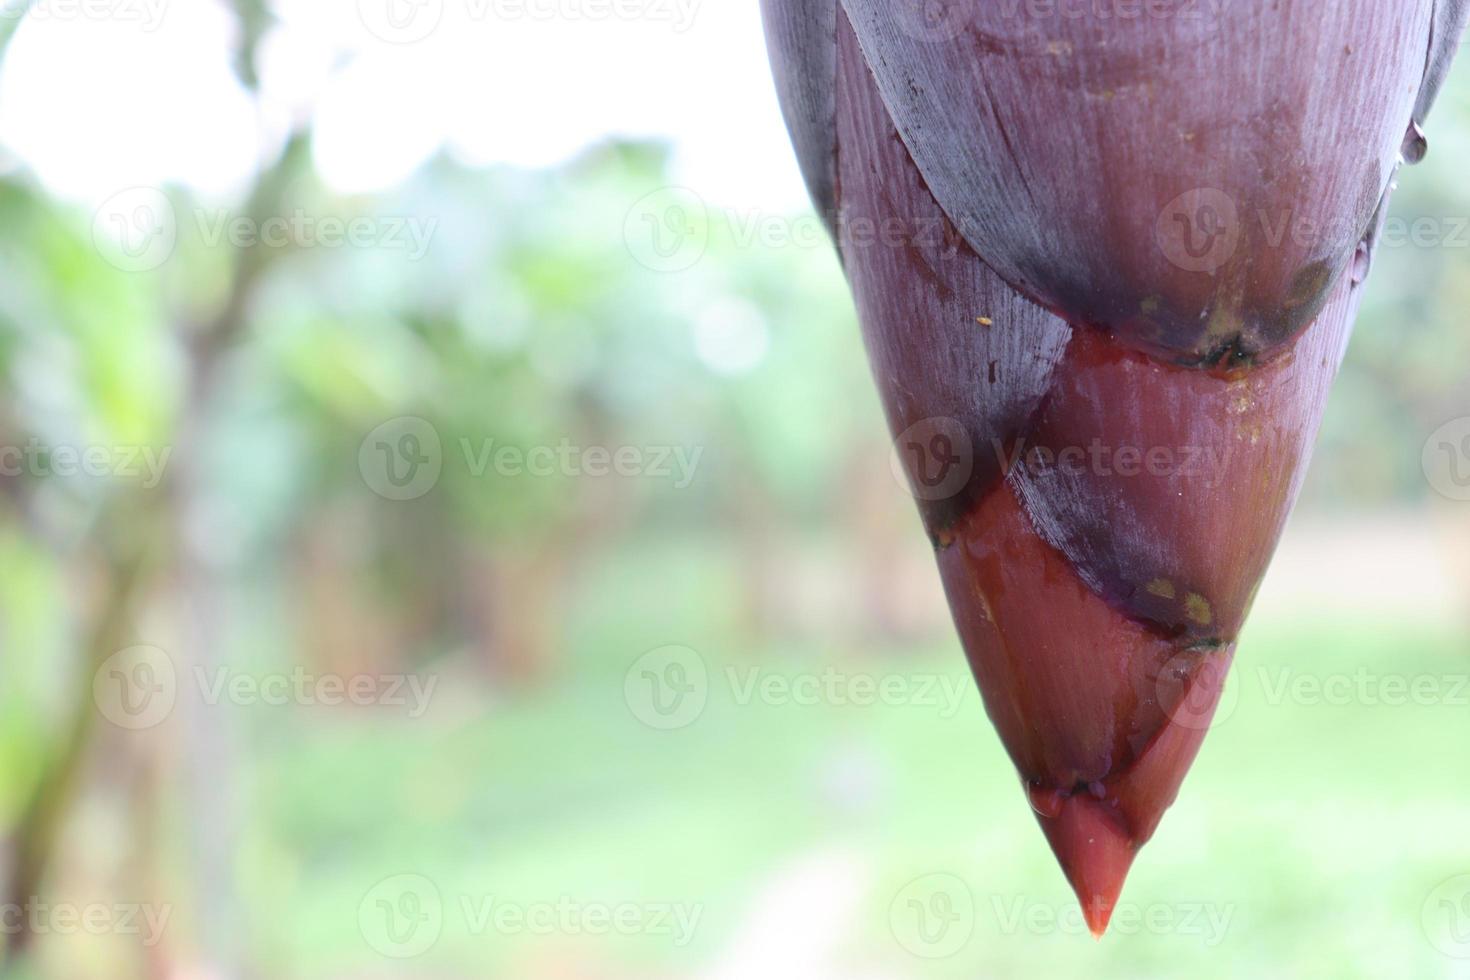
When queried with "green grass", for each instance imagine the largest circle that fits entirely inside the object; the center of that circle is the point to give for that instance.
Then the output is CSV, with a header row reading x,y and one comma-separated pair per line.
x,y
1318,830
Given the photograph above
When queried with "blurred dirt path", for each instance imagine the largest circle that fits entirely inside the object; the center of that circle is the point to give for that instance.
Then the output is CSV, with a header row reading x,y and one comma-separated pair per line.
x,y
799,920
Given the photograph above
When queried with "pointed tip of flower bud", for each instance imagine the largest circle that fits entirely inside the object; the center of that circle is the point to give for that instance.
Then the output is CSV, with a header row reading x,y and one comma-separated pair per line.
x,y
1095,849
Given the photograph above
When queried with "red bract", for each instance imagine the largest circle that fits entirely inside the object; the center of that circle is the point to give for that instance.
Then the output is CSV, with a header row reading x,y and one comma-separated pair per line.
x,y
1106,268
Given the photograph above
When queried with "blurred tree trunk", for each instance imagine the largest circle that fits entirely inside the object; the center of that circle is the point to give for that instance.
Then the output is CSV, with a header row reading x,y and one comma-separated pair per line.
x,y
210,790
897,598
763,561
131,530
34,839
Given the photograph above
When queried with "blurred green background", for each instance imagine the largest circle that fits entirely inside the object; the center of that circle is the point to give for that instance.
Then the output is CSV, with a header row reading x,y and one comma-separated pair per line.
x,y
501,574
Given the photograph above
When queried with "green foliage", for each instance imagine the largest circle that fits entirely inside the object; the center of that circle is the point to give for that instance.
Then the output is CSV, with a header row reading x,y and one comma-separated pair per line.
x,y
527,323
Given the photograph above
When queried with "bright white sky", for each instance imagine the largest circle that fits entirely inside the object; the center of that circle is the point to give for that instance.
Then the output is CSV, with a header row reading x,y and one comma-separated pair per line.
x,y
100,95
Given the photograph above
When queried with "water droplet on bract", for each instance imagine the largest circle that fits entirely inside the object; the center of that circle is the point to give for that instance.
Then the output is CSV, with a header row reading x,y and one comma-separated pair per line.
x,y
1415,144
1362,262
1045,800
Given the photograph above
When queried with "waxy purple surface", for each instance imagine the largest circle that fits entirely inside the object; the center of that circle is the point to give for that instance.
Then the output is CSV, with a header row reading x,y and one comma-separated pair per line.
x,y
1018,200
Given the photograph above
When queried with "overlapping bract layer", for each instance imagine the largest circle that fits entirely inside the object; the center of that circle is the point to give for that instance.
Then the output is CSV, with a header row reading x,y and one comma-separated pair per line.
x,y
1106,271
